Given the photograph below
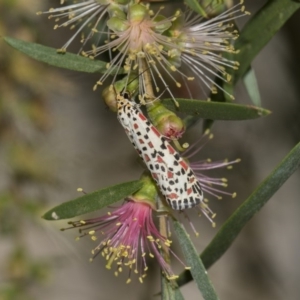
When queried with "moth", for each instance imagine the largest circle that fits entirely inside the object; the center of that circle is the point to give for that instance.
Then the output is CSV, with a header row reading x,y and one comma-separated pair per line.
x,y
175,178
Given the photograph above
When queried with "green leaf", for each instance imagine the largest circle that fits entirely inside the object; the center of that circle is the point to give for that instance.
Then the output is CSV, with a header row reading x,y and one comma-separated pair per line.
x,y
259,31
170,290
252,87
195,6
216,110
50,56
93,201
233,226
193,260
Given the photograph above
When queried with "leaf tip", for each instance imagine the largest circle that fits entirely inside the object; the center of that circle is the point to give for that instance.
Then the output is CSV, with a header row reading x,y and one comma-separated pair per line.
x,y
51,215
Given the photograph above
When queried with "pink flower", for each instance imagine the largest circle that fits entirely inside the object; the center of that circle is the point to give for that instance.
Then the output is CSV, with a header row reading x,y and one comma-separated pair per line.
x,y
127,236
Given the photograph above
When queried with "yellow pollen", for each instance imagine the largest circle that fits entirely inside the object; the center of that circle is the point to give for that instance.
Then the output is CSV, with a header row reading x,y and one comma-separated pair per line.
x,y
234,195
141,279
82,222
178,84
91,232
187,268
61,51
79,190
213,224
94,238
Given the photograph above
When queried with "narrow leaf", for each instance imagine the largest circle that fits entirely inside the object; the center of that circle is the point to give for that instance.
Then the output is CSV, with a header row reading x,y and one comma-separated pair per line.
x,y
196,6
93,201
252,87
170,290
50,56
198,270
233,226
216,110
259,31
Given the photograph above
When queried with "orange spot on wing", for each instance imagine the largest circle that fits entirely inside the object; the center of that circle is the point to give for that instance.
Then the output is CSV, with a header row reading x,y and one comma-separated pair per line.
x,y
192,179
142,117
159,159
170,174
154,175
171,149
155,131
184,165
172,196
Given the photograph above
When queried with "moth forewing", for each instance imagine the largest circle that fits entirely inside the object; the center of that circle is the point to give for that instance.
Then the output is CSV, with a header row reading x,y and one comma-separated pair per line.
x,y
175,178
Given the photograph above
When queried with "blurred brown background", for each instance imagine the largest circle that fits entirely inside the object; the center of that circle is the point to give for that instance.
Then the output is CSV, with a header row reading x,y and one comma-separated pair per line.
x,y
56,135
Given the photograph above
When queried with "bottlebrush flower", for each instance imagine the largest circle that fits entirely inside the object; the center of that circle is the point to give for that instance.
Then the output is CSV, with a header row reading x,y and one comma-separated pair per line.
x,y
81,15
139,39
127,235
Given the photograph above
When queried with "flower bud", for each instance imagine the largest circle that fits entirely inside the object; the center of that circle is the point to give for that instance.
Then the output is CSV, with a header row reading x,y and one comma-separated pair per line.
x,y
216,7
117,24
148,192
161,24
167,123
122,2
116,11
137,12
126,84
109,97
177,24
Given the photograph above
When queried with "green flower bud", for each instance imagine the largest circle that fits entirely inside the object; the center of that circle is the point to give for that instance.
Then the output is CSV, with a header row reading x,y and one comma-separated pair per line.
x,y
110,98
122,2
216,7
138,12
174,57
176,28
167,122
164,24
117,25
116,11
126,84
147,193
